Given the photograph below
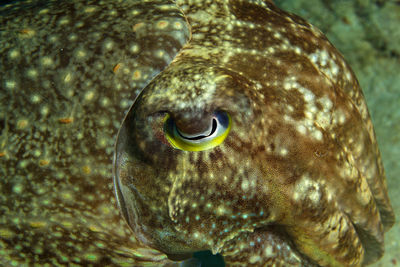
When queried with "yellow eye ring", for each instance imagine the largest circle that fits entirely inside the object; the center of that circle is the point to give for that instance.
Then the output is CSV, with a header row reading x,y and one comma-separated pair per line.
x,y
220,126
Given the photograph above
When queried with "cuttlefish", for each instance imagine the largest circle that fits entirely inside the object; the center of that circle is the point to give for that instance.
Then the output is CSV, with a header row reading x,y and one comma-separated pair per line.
x,y
136,133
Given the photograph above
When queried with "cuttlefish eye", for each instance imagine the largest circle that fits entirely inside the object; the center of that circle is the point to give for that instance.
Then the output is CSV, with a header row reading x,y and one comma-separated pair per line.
x,y
220,126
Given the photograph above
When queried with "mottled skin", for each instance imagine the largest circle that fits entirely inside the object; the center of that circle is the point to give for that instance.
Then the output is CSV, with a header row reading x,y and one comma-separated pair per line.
x,y
69,72
299,167
297,182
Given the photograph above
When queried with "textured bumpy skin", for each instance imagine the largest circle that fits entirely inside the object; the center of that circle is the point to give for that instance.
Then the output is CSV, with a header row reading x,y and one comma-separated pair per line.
x,y
297,182
69,70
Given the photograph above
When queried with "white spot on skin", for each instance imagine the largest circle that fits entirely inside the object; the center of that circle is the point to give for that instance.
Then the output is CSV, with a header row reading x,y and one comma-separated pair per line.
x,y
245,185
36,99
269,252
37,153
178,25
32,73
135,12
72,37
348,75
301,129
105,101
283,152
18,188
307,189
80,53
44,110
10,84
317,135
47,61
90,9
89,95
124,103
113,13
68,78
340,116
308,96
14,53
162,24
63,21
324,57
277,35
326,103
196,235
221,210
53,39
315,196
254,258
334,69
109,45
287,85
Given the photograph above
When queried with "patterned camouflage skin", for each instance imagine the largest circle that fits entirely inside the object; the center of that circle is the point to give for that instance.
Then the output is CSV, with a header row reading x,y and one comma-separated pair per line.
x,y
298,181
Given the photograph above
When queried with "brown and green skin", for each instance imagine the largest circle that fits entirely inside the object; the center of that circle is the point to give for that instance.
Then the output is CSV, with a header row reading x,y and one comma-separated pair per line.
x,y
69,71
298,181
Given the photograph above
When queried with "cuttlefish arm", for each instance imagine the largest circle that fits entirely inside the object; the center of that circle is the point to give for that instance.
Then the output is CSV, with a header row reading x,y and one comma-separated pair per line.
x,y
294,175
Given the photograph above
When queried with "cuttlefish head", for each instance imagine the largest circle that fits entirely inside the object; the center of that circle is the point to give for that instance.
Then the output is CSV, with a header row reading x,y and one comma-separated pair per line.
x,y
188,172
206,157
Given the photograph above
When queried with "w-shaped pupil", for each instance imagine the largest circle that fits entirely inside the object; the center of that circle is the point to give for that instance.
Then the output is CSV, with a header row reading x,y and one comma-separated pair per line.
x,y
198,137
